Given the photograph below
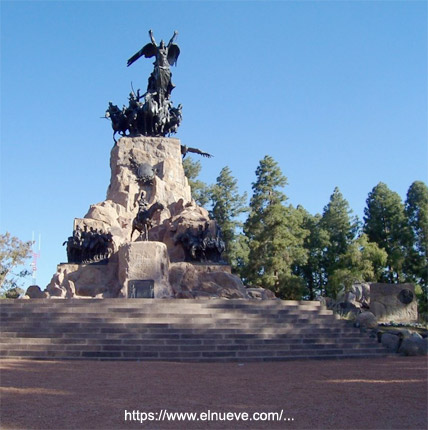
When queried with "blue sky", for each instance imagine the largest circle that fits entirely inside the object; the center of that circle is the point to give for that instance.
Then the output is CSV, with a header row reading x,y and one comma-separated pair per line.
x,y
335,91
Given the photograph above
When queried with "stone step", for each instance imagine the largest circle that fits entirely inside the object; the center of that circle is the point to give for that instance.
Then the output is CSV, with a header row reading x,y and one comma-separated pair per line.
x,y
175,302
117,319
182,344
255,343
201,359
137,312
165,311
182,329
317,320
40,306
191,331
240,355
62,343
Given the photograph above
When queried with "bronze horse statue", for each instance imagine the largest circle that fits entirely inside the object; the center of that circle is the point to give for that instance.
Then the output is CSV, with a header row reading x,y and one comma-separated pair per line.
x,y
143,221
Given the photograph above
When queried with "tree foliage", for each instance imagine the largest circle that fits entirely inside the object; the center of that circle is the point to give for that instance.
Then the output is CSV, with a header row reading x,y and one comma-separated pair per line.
x,y
315,243
13,254
416,264
363,261
341,228
227,206
200,190
416,207
274,232
385,223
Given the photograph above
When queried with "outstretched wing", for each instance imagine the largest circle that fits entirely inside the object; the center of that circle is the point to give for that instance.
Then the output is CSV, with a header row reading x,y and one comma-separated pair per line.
x,y
148,51
173,53
198,151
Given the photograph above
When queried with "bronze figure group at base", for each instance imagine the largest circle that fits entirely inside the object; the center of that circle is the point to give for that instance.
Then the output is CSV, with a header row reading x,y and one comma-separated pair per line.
x,y
88,246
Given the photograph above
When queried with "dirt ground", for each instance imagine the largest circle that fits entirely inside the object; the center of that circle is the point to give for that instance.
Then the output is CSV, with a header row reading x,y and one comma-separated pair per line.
x,y
384,393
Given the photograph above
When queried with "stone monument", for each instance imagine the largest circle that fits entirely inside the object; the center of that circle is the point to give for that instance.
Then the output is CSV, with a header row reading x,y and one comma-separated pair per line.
x,y
177,252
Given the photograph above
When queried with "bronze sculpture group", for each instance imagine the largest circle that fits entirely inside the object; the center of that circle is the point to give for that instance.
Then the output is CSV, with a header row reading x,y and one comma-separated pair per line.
x,y
150,114
88,246
202,245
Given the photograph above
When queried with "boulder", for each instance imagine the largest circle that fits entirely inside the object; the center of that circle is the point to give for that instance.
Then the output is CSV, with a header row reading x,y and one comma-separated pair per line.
x,y
413,345
260,294
390,342
404,332
205,280
358,296
34,292
366,320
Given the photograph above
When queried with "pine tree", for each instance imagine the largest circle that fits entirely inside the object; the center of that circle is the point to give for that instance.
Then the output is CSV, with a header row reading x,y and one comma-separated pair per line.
x,y
341,229
416,262
227,205
416,208
315,243
385,223
200,190
275,237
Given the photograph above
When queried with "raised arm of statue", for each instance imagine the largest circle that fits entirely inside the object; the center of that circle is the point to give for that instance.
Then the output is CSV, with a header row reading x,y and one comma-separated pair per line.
x,y
173,38
152,37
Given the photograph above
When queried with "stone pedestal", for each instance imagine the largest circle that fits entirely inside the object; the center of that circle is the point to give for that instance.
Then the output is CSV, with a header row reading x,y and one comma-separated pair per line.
x,y
145,261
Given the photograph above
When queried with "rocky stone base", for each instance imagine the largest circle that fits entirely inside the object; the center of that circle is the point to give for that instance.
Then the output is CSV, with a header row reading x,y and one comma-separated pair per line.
x,y
191,280
84,280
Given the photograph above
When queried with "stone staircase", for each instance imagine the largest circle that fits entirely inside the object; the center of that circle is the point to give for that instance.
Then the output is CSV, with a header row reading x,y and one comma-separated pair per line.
x,y
178,330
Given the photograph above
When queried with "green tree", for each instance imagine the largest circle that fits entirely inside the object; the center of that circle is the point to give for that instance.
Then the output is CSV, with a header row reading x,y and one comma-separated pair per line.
x,y
13,254
227,205
275,237
239,259
200,190
363,261
341,228
385,223
416,263
315,243
416,207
